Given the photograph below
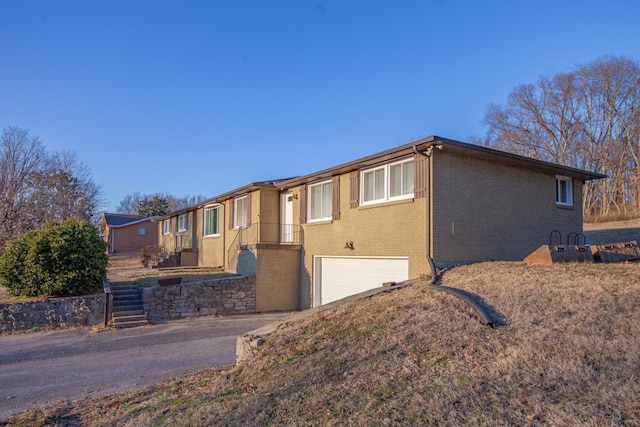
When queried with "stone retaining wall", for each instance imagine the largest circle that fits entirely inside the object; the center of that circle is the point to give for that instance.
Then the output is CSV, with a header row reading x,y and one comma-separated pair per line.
x,y
52,313
234,295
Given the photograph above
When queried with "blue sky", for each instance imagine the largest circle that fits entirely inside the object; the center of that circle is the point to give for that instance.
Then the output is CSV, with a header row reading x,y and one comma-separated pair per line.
x,y
200,97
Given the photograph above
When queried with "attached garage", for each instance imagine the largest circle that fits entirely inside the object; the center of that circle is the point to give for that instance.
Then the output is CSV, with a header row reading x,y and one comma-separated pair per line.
x,y
336,277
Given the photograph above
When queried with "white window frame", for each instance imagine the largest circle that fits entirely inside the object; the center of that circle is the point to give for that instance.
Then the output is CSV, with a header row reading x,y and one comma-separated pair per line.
x,y
564,194
323,185
240,218
206,232
166,226
183,223
386,196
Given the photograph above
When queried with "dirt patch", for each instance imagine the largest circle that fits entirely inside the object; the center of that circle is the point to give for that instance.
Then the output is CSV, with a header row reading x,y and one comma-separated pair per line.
x,y
125,259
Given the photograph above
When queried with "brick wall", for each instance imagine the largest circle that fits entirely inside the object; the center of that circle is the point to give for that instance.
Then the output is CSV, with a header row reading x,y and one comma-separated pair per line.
x,y
127,239
386,229
278,275
489,211
235,295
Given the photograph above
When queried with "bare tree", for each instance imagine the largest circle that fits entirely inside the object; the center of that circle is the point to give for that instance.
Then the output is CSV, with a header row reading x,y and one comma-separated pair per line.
x,y
66,190
36,186
129,205
588,118
22,160
153,204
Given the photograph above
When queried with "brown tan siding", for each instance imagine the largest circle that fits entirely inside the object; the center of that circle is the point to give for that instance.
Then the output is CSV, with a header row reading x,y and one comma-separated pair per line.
x,y
277,274
488,211
386,229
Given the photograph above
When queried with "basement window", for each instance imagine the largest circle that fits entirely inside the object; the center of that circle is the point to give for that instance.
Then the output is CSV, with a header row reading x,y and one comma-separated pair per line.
x,y
564,191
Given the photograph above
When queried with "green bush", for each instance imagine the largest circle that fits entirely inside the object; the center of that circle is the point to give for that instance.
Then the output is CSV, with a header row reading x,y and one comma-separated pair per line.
x,y
58,259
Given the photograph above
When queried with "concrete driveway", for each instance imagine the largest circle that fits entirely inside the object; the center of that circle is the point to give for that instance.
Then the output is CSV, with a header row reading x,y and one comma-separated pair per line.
x,y
42,368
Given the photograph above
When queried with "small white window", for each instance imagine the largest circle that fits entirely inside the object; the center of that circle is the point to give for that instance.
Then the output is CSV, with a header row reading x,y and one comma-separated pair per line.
x,y
240,212
166,226
142,231
401,179
393,181
183,223
320,201
564,191
212,221
374,185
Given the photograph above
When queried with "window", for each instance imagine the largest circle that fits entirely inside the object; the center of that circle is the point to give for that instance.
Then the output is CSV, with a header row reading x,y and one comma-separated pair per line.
x,y
320,201
142,231
183,223
393,181
564,191
166,226
212,221
240,212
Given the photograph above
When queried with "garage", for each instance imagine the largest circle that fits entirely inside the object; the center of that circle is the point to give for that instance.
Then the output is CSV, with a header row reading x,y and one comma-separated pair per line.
x,y
336,277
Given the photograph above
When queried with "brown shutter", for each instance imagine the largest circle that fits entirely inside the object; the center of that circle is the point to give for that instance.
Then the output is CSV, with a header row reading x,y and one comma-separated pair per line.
x,y
354,189
335,197
231,204
248,202
303,204
419,176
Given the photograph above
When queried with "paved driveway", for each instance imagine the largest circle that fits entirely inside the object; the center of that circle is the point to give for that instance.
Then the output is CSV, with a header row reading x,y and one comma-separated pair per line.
x,y
41,368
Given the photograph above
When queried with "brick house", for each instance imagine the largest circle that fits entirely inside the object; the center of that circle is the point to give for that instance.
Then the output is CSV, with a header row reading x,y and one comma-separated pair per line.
x,y
127,233
240,230
320,237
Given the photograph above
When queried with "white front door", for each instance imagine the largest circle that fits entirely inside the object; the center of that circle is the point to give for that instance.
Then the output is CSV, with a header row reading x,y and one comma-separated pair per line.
x,y
286,221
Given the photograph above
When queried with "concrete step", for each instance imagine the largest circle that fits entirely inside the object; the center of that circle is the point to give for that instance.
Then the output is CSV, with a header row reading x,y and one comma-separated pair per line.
x,y
125,289
127,307
130,321
132,297
125,292
124,313
127,301
129,318
131,324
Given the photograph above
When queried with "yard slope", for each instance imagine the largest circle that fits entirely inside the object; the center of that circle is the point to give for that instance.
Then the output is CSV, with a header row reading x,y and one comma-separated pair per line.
x,y
567,353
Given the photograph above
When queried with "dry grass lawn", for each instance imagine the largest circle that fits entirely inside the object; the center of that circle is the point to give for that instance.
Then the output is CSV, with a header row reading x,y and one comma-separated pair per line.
x,y
567,354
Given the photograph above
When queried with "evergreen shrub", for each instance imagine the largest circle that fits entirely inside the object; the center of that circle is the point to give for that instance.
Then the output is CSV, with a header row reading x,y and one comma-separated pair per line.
x,y
58,259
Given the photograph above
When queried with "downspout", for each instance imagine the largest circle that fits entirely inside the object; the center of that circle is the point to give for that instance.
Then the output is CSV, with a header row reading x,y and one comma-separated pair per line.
x,y
428,155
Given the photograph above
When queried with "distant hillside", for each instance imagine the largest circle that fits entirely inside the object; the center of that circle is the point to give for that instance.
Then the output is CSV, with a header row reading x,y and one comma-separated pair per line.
x,y
567,353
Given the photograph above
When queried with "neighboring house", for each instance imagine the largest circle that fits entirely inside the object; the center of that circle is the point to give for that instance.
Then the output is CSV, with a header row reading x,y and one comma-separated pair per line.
x,y
317,238
128,233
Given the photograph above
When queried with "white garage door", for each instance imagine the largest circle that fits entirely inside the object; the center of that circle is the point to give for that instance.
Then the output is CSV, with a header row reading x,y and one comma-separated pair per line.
x,y
338,277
